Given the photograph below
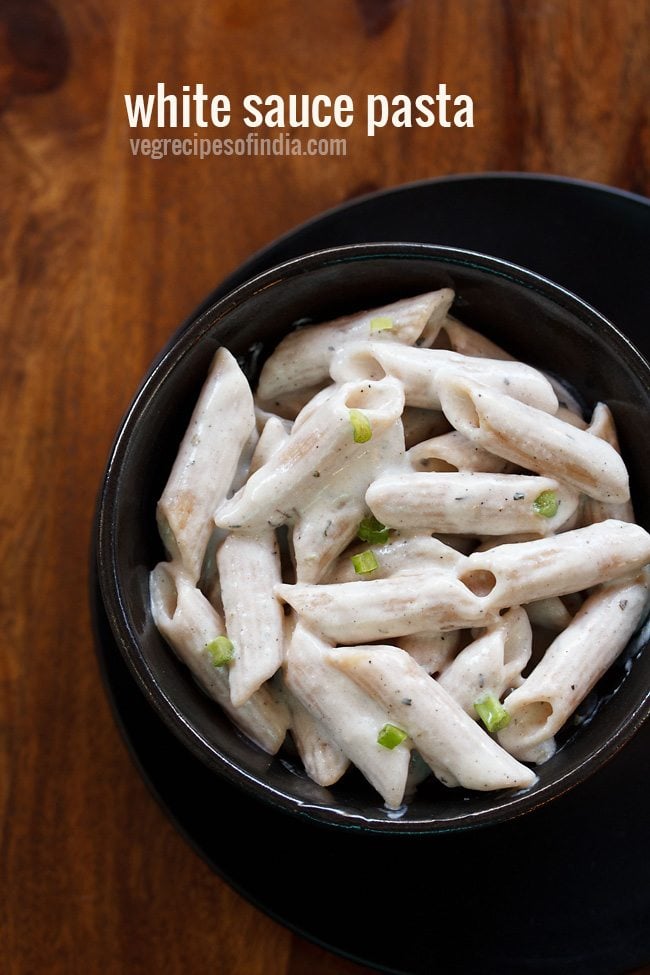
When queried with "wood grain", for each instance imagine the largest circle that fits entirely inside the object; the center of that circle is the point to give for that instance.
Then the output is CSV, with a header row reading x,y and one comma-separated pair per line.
x,y
102,256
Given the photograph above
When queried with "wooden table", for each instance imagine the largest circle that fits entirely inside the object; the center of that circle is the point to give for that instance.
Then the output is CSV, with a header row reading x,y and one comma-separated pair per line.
x,y
103,254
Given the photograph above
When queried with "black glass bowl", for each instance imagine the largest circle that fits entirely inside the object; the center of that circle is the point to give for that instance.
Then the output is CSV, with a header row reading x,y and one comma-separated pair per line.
x,y
537,321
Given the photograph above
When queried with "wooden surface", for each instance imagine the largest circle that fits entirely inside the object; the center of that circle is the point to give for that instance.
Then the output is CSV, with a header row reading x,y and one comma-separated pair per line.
x,y
103,255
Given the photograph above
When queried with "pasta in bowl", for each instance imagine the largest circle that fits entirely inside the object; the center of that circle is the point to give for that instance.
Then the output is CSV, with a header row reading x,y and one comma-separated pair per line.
x,y
387,565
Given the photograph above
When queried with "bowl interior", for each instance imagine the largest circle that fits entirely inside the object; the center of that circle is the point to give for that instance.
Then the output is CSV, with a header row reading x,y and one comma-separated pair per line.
x,y
534,320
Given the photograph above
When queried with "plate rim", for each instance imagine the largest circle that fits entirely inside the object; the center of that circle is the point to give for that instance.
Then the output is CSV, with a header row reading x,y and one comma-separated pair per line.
x,y
372,196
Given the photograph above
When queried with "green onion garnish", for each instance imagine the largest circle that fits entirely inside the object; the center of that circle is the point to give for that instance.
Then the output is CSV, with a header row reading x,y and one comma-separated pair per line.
x,y
220,650
546,504
491,712
371,530
390,736
360,426
381,323
364,562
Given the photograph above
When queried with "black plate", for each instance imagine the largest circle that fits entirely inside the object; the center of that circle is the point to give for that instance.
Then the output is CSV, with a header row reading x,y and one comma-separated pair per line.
x,y
561,890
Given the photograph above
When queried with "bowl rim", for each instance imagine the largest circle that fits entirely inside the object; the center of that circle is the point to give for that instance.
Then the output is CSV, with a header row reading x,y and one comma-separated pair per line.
x,y
204,319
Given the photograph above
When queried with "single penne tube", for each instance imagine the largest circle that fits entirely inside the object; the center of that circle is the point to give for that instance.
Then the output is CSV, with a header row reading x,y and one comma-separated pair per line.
x,y
475,503
456,749
572,665
323,759
331,521
418,370
453,452
221,424
533,439
360,612
350,717
249,568
602,425
519,573
302,358
400,554
491,664
431,649
190,624
323,444
455,335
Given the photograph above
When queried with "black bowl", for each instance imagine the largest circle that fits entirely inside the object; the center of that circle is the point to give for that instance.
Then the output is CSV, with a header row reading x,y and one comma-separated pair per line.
x,y
538,322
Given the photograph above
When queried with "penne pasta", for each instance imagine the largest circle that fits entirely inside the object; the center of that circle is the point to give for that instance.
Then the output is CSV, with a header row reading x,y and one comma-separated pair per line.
x,y
324,443
316,401
405,532
572,665
274,435
403,554
189,624
221,425
522,572
419,370
330,522
602,425
302,358
323,760
472,502
359,612
456,749
491,664
249,568
459,337
352,719
263,416
453,452
533,439
432,650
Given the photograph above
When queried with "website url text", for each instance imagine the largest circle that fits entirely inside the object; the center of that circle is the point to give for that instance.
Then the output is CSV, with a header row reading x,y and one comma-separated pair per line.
x,y
251,145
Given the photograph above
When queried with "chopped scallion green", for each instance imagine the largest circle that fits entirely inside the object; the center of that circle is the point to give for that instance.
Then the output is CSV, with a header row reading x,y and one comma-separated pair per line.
x,y
360,426
220,650
391,736
364,562
546,504
491,712
371,530
381,323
